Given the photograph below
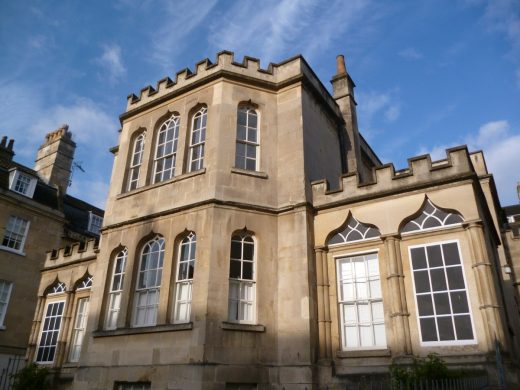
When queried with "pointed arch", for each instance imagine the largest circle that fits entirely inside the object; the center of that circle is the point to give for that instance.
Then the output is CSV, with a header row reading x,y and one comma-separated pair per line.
x,y
85,282
430,216
353,230
56,287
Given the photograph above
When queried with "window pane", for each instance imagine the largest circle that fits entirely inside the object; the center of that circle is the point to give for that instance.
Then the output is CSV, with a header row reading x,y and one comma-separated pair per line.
x,y
463,327
347,291
241,133
451,253
425,305
236,250
380,334
422,281
375,289
363,313
250,165
252,119
349,314
455,278
442,303
377,311
241,117
459,302
428,330
248,251
438,279
418,258
434,256
361,290
366,336
234,269
351,336
247,270
445,328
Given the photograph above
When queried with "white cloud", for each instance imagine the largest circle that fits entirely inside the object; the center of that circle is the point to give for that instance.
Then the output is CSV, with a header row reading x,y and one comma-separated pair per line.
x,y
179,21
501,146
289,26
372,104
410,54
503,17
112,62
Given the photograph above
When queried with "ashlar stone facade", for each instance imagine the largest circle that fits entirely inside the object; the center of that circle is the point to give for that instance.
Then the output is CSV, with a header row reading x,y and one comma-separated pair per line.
x,y
253,239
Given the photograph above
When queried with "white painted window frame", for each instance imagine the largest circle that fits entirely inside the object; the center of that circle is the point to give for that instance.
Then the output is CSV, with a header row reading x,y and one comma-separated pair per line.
x,y
23,234
43,330
448,342
15,175
4,285
114,295
136,160
201,143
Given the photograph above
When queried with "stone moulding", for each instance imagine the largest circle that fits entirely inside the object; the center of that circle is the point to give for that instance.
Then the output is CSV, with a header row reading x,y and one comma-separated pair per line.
x,y
421,171
73,253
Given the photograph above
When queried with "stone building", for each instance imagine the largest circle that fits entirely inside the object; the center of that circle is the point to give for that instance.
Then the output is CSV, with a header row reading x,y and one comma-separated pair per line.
x,y
253,240
35,214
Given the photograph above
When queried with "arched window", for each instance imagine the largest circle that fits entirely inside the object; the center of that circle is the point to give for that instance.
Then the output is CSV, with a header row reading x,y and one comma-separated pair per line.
x,y
241,306
197,140
184,278
166,149
354,231
246,156
148,283
51,324
135,162
116,289
432,217
80,320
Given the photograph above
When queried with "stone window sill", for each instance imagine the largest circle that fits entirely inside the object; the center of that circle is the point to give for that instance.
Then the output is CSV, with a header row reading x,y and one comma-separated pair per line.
x,y
174,179
143,329
260,175
362,353
242,327
11,250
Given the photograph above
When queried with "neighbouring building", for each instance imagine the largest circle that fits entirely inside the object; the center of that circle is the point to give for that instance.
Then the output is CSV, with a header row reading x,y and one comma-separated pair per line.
x,y
253,240
35,214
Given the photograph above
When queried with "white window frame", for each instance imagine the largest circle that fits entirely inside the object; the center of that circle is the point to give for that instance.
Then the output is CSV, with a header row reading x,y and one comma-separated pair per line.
x,y
435,316
338,259
136,159
152,290
116,289
8,234
15,176
133,385
5,294
240,285
78,331
160,171
95,223
255,145
42,330
198,143
184,283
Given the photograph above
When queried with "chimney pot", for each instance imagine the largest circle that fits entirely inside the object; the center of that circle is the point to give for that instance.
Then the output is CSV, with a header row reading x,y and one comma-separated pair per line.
x,y
4,141
340,64
10,145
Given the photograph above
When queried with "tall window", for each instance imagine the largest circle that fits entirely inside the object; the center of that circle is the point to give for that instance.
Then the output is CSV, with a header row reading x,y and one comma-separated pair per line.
x,y
15,233
184,283
197,140
242,279
246,156
166,150
441,295
360,302
5,294
149,283
116,289
135,163
50,331
78,333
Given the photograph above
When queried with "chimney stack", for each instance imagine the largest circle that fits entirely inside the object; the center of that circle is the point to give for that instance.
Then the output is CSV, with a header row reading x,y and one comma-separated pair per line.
x,y
343,93
54,159
6,150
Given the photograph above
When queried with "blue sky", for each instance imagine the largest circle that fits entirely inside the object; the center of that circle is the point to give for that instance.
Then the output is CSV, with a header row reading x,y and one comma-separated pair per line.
x,y
429,74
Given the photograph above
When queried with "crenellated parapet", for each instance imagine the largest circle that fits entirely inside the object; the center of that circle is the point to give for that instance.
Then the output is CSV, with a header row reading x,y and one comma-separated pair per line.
x,y
421,172
77,252
276,75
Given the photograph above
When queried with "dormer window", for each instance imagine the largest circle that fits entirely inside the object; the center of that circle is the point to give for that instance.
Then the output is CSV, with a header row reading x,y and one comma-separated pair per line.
x,y
22,183
94,223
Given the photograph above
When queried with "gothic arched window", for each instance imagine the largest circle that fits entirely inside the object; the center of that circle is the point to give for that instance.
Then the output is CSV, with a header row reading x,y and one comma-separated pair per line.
x,y
184,278
247,143
354,231
135,162
197,140
431,217
166,149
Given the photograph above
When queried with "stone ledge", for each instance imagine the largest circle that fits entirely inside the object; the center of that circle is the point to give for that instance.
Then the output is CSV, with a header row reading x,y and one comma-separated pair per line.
x,y
242,327
360,353
261,175
142,330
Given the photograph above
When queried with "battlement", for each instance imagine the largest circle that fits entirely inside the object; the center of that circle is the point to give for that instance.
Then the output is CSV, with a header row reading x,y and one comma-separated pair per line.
x,y
224,63
421,171
77,252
